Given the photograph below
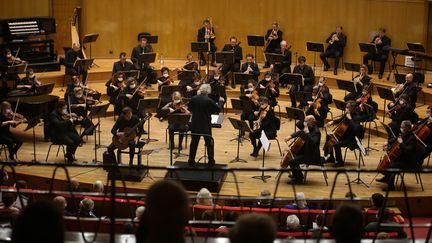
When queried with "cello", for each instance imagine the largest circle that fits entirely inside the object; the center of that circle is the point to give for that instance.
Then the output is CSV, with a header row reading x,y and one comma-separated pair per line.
x,y
335,135
122,142
294,149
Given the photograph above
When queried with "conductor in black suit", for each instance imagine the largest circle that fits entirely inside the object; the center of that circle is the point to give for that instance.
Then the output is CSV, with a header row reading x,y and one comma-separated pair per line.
x,y
122,64
207,34
202,107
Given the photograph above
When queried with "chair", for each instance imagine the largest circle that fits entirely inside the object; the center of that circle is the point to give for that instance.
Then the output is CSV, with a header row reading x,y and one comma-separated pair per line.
x,y
277,121
320,164
137,151
417,176
198,210
3,149
60,145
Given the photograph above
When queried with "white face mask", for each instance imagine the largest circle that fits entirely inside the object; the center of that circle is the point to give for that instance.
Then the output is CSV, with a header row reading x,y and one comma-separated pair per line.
x,y
401,130
120,79
165,75
268,79
250,89
78,96
305,124
401,102
216,77
313,97
133,86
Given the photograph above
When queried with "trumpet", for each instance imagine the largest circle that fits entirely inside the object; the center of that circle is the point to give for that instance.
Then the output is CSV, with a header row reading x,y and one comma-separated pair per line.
x,y
378,40
334,38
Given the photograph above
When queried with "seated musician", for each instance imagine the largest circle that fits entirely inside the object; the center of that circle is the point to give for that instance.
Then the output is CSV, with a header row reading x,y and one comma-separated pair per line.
x,y
217,77
122,65
266,121
207,34
382,43
7,119
62,130
218,90
190,64
6,61
308,78
318,106
114,86
165,79
409,88
400,112
235,48
250,94
71,56
273,39
407,144
337,41
174,107
127,120
424,151
310,152
72,85
269,88
285,65
366,107
80,104
145,68
250,67
130,95
353,129
360,81
29,82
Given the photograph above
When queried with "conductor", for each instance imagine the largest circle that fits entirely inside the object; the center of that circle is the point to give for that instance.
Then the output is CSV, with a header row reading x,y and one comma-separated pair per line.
x,y
202,107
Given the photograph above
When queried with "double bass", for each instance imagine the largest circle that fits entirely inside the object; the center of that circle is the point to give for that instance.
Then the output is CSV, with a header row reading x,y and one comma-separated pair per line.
x,y
129,134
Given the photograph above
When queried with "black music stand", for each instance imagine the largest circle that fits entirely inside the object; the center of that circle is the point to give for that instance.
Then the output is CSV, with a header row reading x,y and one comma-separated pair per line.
x,y
315,47
273,58
45,89
353,67
83,63
152,39
385,94
340,105
90,38
31,124
98,111
346,85
368,48
302,97
186,75
362,152
243,78
292,79
242,128
225,57
131,73
145,104
255,41
202,47
178,119
167,90
296,114
89,131
147,58
416,47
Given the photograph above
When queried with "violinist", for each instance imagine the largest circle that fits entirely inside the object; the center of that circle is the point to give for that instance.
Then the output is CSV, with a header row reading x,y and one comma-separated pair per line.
x,y
7,119
250,94
361,81
285,65
29,82
191,64
366,107
310,151
337,42
318,106
250,67
72,85
407,149
122,65
217,77
79,105
75,53
382,43
62,130
352,129
236,49
165,79
145,68
218,90
207,34
114,86
127,120
130,95
400,112
273,38
308,78
269,88
265,120
6,61
174,107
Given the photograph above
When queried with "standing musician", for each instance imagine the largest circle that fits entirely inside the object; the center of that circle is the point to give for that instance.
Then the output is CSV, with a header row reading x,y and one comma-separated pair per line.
x,y
190,64
79,105
407,147
174,107
308,78
114,86
165,79
122,65
382,43
127,120
251,95
360,81
285,65
145,68
273,39
401,111
318,106
352,128
265,120
202,107
337,41
7,119
207,34
269,88
6,61
75,53
235,48
62,130
250,67
309,152
30,82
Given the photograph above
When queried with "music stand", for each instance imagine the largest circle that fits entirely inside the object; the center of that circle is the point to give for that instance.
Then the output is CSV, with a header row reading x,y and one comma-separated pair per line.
x,y
98,111
186,75
340,105
131,73
273,58
346,85
17,69
296,114
368,48
292,79
45,89
315,47
362,150
255,41
385,94
83,64
416,47
148,104
302,97
353,67
242,128
178,119
31,124
225,57
167,90
147,58
200,47
90,38
89,131
243,78
152,39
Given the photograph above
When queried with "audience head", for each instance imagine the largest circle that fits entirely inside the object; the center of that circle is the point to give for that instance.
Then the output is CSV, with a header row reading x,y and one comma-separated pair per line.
x,y
205,89
139,213
204,197
350,194
60,202
8,199
253,228
377,200
74,185
293,222
301,200
86,205
347,225
98,186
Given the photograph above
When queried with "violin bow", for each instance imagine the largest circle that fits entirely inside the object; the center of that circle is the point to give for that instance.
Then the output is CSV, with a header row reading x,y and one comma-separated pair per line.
x,y
16,108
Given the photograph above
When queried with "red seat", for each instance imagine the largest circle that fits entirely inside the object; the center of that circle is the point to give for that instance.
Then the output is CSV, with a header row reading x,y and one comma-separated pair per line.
x,y
198,210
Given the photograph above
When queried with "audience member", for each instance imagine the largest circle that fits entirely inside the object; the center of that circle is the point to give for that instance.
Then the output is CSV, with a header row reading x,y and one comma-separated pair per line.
x,y
23,197
377,200
300,204
384,217
8,200
293,223
61,203
204,197
347,225
253,228
139,213
264,203
73,185
86,208
4,178
209,215
318,224
350,194
98,187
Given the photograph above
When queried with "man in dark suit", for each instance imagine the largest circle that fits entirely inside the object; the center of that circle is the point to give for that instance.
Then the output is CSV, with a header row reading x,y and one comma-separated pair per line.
x,y
308,79
410,89
382,43
207,34
202,107
145,68
310,152
337,42
233,47
71,56
285,65
250,67
273,38
122,65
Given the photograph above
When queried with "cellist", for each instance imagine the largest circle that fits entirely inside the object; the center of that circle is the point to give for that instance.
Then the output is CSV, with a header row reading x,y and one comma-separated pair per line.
x,y
424,132
310,151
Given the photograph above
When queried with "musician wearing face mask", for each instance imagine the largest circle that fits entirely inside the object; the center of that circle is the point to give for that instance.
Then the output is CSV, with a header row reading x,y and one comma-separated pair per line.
x,y
308,79
410,89
285,65
165,79
266,121
235,48
405,159
318,106
8,60
250,94
400,112
114,86
30,82
360,81
309,152
130,96
337,42
382,43
80,105
218,90
176,106
207,34
7,120
71,56
145,68
62,130
269,88
122,65
250,67
190,64
273,38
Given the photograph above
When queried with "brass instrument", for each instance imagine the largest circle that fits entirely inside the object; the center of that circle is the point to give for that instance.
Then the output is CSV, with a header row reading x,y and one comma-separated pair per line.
x,y
378,40
211,34
334,38
273,36
398,89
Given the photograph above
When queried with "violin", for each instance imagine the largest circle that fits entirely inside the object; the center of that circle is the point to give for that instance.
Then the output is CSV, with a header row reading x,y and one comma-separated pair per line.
x,y
262,115
71,116
13,116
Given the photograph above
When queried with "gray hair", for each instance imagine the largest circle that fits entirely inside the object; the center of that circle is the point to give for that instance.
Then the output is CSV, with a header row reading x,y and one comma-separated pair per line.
x,y
205,89
98,186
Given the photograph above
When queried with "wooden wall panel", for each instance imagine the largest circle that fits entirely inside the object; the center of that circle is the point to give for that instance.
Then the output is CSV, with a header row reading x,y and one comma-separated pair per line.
x,y
176,22
62,12
24,8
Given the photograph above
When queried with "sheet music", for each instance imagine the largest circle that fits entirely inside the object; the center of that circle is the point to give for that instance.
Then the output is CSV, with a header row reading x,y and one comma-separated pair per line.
x,y
265,142
217,119
361,147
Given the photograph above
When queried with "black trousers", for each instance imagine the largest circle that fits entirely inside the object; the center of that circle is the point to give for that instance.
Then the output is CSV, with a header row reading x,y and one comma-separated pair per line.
x,y
337,149
279,69
294,89
235,67
331,53
132,146
194,146
295,166
212,54
381,58
176,128
12,142
147,71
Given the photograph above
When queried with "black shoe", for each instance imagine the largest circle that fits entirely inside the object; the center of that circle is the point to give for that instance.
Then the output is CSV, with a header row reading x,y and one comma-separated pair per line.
x,y
191,163
211,163
335,71
330,160
295,181
11,157
338,164
254,154
202,63
383,179
380,76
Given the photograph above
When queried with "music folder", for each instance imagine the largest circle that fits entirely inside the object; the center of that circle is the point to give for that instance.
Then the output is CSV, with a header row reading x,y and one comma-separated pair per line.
x,y
147,57
274,58
346,85
225,57
217,120
243,78
83,62
292,79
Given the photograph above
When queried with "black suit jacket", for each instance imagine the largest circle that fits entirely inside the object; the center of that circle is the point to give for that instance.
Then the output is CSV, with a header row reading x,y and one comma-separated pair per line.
x,y
118,66
286,60
386,42
201,35
406,158
202,107
70,58
337,45
274,44
311,147
411,91
308,74
58,127
238,52
138,50
268,124
254,66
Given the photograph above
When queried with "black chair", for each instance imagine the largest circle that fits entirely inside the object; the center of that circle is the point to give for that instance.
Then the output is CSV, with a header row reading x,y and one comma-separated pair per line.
x,y
138,153
60,145
320,164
